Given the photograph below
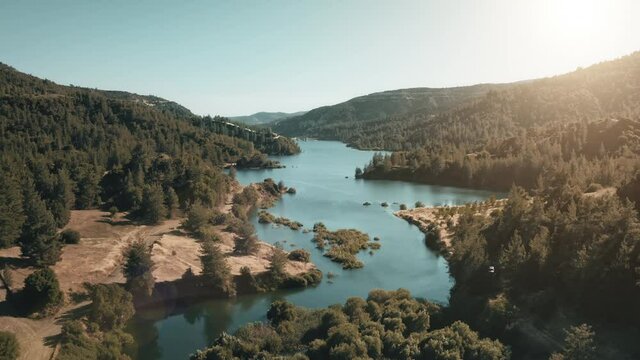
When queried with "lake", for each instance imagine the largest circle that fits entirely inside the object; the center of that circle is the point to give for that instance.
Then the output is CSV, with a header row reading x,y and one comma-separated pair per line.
x,y
323,175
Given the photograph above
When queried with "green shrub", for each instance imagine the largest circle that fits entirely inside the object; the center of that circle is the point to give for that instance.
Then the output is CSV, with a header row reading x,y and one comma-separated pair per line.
x,y
70,236
9,347
42,290
299,255
111,306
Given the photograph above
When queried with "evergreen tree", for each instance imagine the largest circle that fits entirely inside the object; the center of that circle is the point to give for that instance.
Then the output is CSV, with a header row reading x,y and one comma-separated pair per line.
x,y
88,187
215,270
171,201
578,344
38,240
11,211
42,290
138,268
152,209
277,264
62,199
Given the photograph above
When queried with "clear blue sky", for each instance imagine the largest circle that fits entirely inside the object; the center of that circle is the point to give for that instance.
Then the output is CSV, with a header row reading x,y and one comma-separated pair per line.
x,y
240,57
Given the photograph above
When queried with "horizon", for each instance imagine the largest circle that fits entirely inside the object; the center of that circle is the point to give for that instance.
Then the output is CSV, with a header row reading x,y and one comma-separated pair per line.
x,y
235,59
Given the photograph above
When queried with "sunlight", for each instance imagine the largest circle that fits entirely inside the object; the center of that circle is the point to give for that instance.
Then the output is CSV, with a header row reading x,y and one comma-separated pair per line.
x,y
576,18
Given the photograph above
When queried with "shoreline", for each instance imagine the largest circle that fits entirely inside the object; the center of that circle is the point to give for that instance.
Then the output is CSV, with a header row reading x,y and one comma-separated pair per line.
x,y
437,222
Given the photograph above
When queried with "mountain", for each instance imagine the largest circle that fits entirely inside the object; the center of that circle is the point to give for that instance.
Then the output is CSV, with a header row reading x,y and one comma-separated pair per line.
x,y
582,125
342,121
261,118
403,119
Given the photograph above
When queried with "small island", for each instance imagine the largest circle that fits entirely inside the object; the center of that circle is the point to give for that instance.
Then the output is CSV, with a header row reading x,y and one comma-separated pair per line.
x,y
343,245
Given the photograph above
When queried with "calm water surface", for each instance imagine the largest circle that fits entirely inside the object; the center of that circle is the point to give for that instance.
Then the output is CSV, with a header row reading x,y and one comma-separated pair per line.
x,y
326,191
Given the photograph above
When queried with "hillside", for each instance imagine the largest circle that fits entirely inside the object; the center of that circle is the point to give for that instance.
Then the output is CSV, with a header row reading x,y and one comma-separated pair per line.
x,y
262,118
407,119
65,147
584,122
346,120
14,84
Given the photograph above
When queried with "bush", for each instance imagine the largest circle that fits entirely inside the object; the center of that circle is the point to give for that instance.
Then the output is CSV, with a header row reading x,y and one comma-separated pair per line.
x,y
299,255
9,347
419,204
291,191
197,217
111,306
42,290
70,236
281,311
403,207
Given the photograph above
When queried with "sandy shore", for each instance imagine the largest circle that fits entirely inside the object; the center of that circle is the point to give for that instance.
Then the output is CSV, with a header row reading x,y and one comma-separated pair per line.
x,y
425,216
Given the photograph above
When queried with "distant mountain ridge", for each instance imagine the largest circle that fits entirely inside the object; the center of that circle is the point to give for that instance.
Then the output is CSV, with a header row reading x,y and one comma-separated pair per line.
x,y
328,122
264,117
403,119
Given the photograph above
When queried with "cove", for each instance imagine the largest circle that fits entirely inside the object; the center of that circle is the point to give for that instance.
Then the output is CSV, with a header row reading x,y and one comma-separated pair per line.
x,y
326,192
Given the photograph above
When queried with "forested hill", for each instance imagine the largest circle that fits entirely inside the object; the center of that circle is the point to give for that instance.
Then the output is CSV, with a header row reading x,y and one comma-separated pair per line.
x,y
347,120
262,118
405,119
65,147
14,83
584,123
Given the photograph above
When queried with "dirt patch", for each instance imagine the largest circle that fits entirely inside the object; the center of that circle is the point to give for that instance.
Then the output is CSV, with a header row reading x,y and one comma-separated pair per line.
x,y
445,217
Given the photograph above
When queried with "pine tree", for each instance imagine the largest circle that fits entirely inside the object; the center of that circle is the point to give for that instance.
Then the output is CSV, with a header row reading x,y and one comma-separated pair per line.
x,y
152,209
42,289
277,263
246,245
137,269
88,187
11,211
38,241
215,270
62,199
171,201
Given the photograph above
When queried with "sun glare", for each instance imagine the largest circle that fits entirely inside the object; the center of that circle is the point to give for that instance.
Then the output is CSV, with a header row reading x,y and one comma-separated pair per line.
x,y
576,18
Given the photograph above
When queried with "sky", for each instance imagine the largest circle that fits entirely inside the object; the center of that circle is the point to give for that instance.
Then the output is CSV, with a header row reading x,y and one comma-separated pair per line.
x,y
240,57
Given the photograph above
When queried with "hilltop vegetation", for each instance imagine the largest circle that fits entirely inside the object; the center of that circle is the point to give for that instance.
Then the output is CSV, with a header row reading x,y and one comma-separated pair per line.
x,y
351,120
583,125
262,118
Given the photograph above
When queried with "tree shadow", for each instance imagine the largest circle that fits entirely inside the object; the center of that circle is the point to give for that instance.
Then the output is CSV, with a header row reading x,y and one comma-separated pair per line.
x,y
119,222
7,309
72,314
14,262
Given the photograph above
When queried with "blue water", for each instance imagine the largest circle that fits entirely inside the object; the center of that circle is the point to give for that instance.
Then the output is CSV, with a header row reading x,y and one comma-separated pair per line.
x,y
326,191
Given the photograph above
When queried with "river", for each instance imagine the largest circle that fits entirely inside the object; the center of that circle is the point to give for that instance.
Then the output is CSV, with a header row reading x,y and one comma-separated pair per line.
x,y
326,191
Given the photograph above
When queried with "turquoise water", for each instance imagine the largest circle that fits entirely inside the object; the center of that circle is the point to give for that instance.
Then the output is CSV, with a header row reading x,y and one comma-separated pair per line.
x,y
326,191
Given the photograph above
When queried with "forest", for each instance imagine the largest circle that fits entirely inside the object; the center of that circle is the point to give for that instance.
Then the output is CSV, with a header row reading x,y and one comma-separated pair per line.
x,y
64,148
583,124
